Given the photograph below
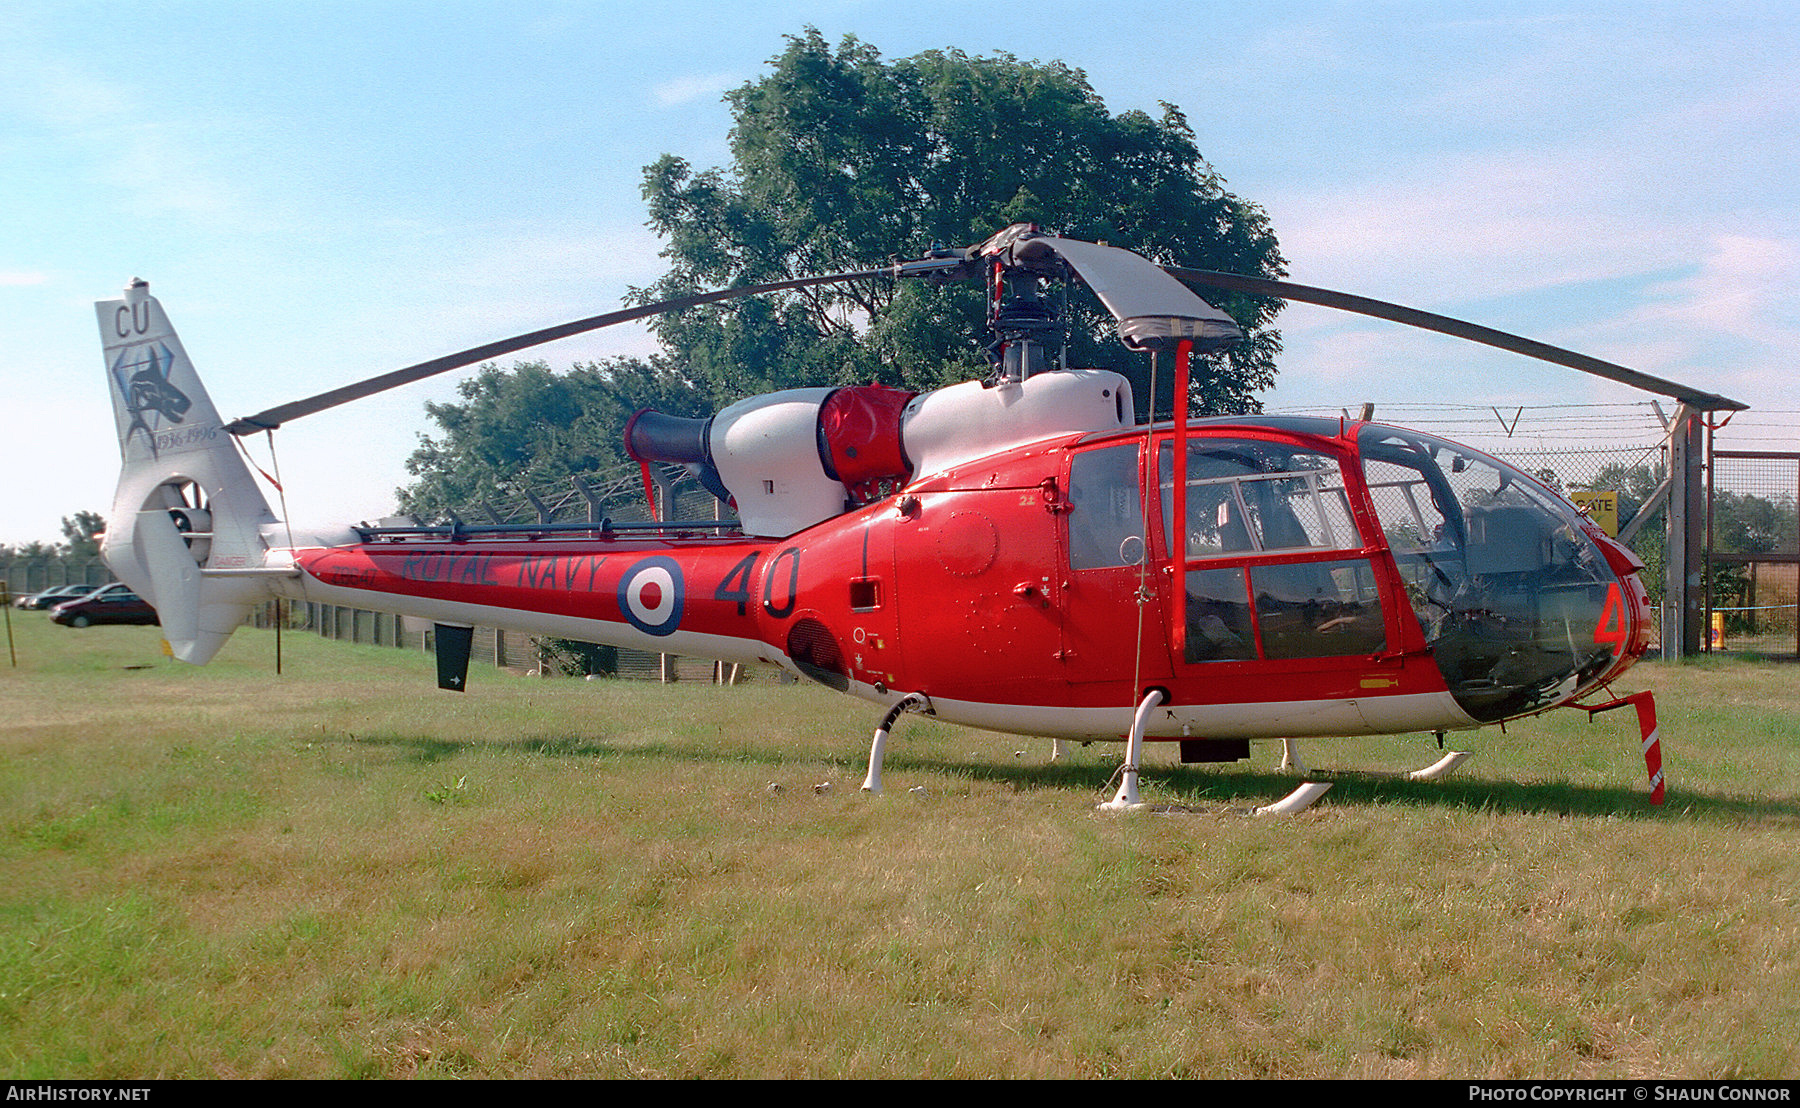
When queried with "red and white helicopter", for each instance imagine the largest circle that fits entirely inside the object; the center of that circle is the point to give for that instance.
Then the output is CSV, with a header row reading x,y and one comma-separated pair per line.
x,y
1015,554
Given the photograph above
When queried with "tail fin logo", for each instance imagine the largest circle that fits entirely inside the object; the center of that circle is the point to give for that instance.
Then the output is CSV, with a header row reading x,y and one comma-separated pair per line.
x,y
141,375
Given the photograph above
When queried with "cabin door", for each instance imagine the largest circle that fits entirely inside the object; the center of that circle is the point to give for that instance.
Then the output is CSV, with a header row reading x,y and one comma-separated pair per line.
x,y
1111,595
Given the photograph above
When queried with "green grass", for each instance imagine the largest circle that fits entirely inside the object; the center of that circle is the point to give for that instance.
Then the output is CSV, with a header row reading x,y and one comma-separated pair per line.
x,y
344,872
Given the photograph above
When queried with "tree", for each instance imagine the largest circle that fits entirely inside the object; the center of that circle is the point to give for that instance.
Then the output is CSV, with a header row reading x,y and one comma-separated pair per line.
x,y
81,533
1747,524
841,161
1635,485
529,427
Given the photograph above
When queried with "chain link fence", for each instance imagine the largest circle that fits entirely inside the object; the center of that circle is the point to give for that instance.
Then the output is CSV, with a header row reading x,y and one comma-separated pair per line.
x,y
24,576
1753,544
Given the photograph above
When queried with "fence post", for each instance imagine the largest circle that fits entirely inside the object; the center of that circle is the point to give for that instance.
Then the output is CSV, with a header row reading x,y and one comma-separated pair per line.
x,y
1683,620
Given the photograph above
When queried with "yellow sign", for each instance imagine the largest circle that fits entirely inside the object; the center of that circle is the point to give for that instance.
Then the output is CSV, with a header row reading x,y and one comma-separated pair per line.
x,y
1602,506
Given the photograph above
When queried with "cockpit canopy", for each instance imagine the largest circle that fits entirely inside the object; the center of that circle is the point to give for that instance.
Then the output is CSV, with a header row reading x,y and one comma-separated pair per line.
x,y
1508,586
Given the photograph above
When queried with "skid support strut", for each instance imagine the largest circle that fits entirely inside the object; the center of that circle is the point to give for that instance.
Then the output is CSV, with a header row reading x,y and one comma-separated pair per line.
x,y
917,702
1127,796
1645,703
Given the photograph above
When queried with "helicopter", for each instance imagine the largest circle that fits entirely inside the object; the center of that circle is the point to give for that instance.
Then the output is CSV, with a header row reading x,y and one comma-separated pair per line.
x,y
1017,554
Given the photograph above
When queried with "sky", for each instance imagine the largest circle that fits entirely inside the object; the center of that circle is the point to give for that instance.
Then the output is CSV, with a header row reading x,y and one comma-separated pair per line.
x,y
322,191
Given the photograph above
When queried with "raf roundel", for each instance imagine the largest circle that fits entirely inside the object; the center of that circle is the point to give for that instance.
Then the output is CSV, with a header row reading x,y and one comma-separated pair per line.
x,y
650,596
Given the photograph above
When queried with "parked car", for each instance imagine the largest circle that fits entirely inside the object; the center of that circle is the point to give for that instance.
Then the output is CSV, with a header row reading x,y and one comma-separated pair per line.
x,y
51,597
29,600
112,604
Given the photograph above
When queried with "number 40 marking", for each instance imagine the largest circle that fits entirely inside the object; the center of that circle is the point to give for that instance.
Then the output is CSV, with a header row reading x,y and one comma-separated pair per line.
x,y
1613,628
736,586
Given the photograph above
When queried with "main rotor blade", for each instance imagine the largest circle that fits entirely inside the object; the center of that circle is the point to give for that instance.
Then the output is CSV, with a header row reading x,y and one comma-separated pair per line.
x,y
1474,332
272,418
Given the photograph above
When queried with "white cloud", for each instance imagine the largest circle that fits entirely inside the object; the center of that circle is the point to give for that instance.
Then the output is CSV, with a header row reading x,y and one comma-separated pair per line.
x,y
1744,287
1466,227
1536,169
1729,325
700,86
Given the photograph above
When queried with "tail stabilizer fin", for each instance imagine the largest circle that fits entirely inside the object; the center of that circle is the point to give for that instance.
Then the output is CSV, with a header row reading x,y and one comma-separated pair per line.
x,y
186,502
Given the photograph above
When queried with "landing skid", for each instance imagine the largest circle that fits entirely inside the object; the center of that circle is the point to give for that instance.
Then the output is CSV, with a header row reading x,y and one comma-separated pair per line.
x,y
1299,800
1127,799
1441,768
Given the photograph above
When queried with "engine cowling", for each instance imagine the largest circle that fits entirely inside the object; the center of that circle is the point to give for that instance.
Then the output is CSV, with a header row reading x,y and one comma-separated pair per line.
x,y
788,460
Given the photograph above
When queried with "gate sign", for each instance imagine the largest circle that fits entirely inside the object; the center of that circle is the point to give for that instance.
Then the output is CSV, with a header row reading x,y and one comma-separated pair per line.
x,y
1602,506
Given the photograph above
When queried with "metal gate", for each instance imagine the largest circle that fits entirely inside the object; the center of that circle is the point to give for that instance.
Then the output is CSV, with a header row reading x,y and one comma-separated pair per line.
x,y
1753,552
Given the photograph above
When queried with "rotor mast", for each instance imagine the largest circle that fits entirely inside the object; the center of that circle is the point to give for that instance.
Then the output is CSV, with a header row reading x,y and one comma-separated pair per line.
x,y
1021,322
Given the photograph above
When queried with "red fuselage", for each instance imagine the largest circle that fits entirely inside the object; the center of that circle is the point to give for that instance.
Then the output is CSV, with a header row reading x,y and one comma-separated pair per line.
x,y
1340,578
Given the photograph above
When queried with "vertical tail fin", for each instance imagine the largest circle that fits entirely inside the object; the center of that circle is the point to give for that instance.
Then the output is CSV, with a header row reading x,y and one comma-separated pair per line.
x,y
186,502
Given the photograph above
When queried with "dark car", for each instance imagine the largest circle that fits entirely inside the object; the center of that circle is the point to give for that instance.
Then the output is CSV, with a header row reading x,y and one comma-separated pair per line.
x,y
30,600
51,597
112,604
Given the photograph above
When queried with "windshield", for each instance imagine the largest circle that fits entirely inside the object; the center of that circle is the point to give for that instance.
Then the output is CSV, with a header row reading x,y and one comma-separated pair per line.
x,y
1502,576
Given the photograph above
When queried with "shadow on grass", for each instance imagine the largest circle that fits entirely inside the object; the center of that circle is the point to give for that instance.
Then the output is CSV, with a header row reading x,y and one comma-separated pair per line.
x,y
424,750
1203,789
1213,789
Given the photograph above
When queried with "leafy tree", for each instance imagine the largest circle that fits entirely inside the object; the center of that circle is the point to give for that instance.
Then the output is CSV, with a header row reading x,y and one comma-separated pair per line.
x,y
841,161
1747,524
1635,484
81,533
528,426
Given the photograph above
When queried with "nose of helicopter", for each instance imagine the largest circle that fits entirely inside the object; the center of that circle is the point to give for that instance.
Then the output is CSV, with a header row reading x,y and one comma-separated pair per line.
x,y
1629,626
1524,602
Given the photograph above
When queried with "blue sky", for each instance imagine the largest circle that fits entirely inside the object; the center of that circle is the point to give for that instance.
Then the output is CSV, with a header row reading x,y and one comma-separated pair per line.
x,y
319,191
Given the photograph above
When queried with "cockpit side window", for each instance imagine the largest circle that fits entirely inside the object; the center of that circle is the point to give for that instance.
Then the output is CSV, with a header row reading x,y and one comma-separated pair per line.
x,y
1254,497
1258,516
1106,514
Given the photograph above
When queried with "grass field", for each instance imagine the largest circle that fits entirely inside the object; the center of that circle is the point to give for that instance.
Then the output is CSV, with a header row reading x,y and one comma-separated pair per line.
x,y
343,872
